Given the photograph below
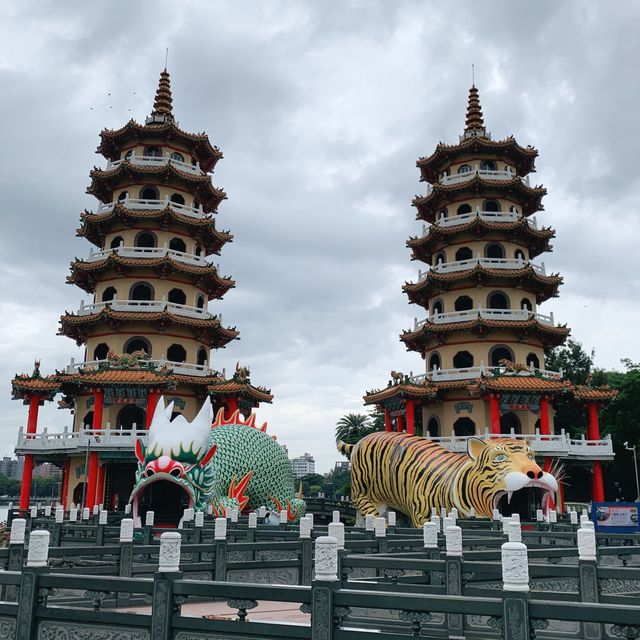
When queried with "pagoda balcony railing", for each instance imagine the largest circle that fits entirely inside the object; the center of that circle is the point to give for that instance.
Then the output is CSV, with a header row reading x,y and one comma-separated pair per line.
x,y
145,306
139,203
561,445
489,263
69,441
181,368
155,161
488,216
148,252
485,174
469,373
520,315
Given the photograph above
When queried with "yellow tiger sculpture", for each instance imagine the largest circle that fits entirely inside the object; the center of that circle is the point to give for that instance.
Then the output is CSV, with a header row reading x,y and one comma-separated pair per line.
x,y
412,474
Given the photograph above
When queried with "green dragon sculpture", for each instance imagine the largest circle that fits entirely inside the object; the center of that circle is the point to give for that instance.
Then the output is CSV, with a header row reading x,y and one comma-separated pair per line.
x,y
230,463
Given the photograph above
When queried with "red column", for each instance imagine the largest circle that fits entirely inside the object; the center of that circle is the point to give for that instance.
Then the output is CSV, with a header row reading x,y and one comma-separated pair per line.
x,y
545,426
387,420
593,424
410,416
400,424
494,407
65,484
593,433
27,468
232,405
25,485
152,401
92,479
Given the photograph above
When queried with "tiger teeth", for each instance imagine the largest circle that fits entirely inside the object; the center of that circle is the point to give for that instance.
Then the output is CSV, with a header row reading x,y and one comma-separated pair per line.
x,y
509,494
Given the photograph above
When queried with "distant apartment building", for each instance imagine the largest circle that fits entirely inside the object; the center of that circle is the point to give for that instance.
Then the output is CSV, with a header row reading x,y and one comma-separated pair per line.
x,y
342,465
303,465
48,471
11,467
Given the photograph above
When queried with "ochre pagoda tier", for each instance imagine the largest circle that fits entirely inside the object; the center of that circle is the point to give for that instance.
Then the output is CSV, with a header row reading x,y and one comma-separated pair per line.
x,y
147,330
484,338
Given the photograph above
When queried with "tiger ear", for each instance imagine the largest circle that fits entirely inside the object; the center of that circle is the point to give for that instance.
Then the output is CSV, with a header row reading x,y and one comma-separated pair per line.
x,y
475,447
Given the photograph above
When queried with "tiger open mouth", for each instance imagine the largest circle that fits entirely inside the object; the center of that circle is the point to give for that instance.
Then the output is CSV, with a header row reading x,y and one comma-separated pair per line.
x,y
534,495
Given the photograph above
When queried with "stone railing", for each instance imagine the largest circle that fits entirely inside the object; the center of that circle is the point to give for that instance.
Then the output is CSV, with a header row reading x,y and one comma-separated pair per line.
x,y
182,368
146,306
489,216
69,441
139,203
475,372
520,315
148,252
155,161
489,263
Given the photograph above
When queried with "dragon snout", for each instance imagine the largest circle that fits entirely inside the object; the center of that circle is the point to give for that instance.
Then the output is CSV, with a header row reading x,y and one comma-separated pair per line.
x,y
164,464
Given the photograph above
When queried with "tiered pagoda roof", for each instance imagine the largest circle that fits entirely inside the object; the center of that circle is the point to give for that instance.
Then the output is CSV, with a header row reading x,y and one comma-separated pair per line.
x,y
94,226
536,240
86,274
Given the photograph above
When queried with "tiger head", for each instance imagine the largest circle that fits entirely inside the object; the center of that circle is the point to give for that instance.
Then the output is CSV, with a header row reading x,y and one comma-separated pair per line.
x,y
502,466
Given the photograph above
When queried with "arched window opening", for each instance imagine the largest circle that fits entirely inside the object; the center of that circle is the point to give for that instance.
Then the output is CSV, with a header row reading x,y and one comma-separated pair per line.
x,y
137,344
131,416
178,244
464,427
101,351
145,239
463,303
462,360
498,353
509,423
464,253
435,362
198,250
177,156
141,291
176,353
123,196
533,360
463,208
488,165
464,168
109,293
87,421
200,301
154,152
437,307
202,356
177,198
177,296
525,303
149,193
440,257
433,427
498,300
491,205
116,242
494,250
519,254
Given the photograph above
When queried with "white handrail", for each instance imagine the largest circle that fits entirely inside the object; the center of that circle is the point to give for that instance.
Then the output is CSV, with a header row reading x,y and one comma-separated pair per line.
x,y
145,306
182,368
519,315
490,263
148,252
157,161
468,373
139,203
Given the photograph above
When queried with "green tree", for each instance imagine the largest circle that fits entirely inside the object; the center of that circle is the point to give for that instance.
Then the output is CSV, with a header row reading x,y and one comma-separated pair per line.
x,y
312,483
353,427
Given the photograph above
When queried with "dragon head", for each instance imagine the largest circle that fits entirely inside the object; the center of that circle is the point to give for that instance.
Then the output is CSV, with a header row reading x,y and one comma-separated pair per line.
x,y
176,452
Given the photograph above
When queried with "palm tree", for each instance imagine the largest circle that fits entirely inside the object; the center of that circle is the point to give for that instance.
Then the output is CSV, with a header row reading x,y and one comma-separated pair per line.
x,y
354,427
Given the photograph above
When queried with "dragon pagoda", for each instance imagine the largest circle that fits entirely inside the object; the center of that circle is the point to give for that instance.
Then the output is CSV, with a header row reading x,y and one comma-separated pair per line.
x,y
484,338
147,330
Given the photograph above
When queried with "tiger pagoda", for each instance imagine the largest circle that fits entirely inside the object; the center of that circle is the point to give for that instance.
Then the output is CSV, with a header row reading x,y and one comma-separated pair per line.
x,y
147,330
484,337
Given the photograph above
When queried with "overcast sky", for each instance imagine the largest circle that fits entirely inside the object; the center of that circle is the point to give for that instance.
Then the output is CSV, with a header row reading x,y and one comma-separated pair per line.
x,y
321,110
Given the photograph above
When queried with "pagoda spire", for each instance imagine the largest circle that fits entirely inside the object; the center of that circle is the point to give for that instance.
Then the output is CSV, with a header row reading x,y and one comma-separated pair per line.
x,y
163,103
474,123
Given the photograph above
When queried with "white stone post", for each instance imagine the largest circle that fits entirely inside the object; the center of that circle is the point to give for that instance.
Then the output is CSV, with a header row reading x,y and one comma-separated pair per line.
x,y
336,530
453,539
495,514
199,520
47,510
86,512
127,509
326,559
262,512
33,512
18,528
149,518
391,518
305,527
235,514
284,518
586,544
103,517
59,515
515,532
380,527
368,522
220,529
126,530
447,522
539,515
553,516
38,548
73,515
335,516
573,517
170,552
209,509
310,516
515,567
515,517
436,521
430,535
253,520
453,513
472,512
96,509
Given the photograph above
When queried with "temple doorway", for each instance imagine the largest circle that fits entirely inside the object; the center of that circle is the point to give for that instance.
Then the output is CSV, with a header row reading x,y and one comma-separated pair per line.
x,y
510,421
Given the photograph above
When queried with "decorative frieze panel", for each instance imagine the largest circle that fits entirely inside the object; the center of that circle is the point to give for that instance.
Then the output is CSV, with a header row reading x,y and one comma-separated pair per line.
x,y
72,631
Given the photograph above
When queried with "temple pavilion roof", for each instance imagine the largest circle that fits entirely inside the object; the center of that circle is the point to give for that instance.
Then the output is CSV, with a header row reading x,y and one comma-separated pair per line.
x,y
536,240
85,274
440,195
94,226
208,330
527,278
24,385
105,182
430,333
